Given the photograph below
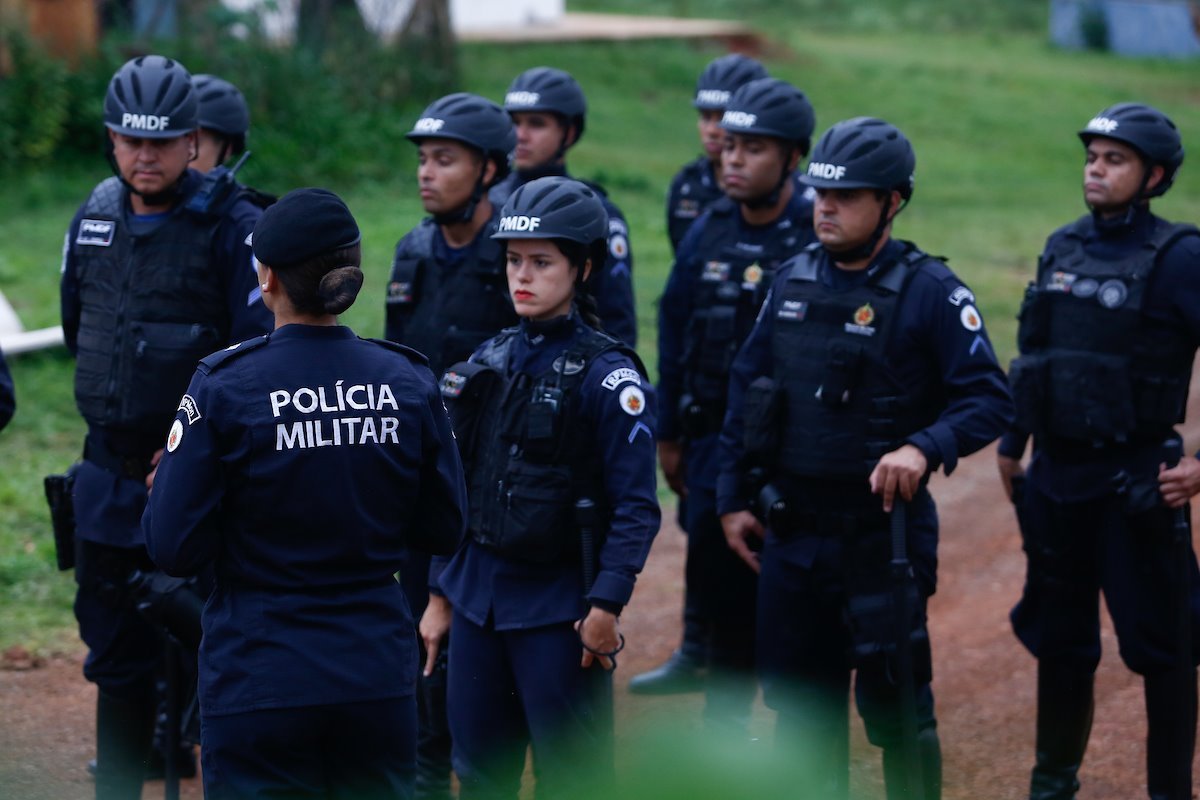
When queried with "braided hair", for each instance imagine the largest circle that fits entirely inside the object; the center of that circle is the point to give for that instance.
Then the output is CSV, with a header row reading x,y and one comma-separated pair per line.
x,y
578,255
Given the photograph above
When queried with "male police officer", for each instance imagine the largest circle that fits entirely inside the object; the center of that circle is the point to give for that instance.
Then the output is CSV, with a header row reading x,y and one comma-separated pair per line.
x,y
153,280
721,275
1108,334
697,185
447,295
549,111
868,368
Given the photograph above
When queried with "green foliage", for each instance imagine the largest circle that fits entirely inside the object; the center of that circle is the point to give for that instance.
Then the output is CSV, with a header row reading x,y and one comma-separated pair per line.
x,y
38,83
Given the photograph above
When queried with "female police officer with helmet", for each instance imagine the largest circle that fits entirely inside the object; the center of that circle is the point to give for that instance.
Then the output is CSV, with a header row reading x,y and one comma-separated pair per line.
x,y
303,463
556,424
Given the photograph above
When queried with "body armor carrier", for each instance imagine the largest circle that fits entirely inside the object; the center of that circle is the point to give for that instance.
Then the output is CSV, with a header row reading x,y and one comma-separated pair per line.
x,y
840,404
529,456
692,193
1093,369
151,307
446,312
732,285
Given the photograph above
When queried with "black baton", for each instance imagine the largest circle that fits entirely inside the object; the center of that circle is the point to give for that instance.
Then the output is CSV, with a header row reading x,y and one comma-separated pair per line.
x,y
902,577
1181,552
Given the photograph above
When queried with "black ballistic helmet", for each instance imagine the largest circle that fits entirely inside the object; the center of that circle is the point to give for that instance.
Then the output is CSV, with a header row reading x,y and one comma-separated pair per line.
x,y
1145,129
722,77
548,89
554,207
863,153
151,97
222,106
771,107
473,120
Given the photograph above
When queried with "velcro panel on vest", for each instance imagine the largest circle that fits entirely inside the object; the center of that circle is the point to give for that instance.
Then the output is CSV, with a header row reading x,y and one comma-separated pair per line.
x,y
469,390
404,288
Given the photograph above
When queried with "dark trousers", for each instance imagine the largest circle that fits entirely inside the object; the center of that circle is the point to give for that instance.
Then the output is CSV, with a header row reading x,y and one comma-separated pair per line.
x,y
1078,550
817,625
722,590
512,689
348,751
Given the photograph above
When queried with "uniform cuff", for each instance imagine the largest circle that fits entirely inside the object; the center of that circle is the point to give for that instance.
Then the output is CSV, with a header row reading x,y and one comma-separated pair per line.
x,y
436,565
1012,444
939,446
604,605
729,494
612,588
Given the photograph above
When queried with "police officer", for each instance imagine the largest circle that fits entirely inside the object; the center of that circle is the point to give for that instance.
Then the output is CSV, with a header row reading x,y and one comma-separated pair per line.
x,y
1108,333
556,423
697,185
224,121
549,110
150,285
302,464
8,399
448,294
868,369
721,274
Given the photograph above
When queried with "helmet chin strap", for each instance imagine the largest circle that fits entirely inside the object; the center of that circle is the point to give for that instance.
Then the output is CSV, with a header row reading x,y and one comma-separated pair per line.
x,y
1139,198
466,211
166,197
867,248
772,197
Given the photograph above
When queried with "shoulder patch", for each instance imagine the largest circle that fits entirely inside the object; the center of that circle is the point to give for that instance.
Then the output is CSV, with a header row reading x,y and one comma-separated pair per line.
x,y
621,375
174,436
618,245
415,355
211,363
188,406
970,318
961,295
632,400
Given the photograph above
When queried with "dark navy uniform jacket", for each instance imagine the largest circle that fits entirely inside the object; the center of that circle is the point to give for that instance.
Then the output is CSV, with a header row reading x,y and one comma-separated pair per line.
x,y
300,465
1172,298
931,345
675,310
693,189
108,507
8,401
484,586
612,286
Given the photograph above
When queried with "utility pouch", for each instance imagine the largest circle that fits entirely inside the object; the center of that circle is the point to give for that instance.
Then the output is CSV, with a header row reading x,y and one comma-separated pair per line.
x,y
873,621
763,403
1034,323
468,390
842,367
1027,379
59,496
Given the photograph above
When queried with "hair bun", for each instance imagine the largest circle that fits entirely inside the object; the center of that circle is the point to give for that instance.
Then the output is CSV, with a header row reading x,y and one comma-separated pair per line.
x,y
339,287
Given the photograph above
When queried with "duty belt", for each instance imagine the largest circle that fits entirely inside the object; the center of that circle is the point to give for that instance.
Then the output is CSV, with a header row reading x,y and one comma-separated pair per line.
x,y
133,467
830,523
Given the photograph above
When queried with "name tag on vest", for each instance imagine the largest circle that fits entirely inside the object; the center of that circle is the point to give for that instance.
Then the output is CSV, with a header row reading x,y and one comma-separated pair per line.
x,y
98,232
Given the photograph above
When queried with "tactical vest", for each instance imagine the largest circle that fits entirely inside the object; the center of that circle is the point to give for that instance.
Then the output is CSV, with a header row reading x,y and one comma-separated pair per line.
x,y
445,311
152,306
530,456
1093,368
842,405
730,289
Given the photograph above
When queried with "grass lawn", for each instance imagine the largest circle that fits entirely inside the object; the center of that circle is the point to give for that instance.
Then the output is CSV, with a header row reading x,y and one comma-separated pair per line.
x,y
992,115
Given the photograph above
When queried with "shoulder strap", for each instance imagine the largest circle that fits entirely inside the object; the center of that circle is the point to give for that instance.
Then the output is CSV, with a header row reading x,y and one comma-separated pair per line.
x,y
413,355
212,363
494,352
107,199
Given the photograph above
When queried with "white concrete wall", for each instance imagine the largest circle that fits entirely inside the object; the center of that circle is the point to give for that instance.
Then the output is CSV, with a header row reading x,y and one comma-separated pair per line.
x,y
483,14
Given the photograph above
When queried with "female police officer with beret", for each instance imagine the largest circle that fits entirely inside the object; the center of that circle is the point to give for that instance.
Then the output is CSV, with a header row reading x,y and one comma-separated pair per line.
x,y
303,463
556,424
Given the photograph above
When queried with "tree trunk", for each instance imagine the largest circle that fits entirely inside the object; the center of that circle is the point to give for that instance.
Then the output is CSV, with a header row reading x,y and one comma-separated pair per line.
x,y
317,21
429,33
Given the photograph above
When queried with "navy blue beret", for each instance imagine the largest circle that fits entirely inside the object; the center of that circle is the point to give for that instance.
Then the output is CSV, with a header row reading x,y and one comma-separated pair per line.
x,y
303,224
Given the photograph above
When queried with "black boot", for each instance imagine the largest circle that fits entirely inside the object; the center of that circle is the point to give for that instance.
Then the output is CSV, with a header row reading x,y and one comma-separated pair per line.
x,y
929,756
679,674
1171,737
1064,722
124,729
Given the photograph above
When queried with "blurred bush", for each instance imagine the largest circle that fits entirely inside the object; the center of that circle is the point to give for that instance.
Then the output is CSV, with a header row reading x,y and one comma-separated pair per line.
x,y
329,115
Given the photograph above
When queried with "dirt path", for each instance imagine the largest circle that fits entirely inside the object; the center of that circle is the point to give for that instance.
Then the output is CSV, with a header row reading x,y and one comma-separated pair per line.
x,y
984,681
